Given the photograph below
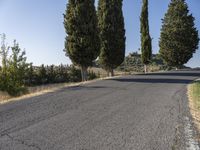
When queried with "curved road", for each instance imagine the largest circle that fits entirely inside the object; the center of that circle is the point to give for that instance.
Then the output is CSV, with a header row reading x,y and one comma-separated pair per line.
x,y
140,112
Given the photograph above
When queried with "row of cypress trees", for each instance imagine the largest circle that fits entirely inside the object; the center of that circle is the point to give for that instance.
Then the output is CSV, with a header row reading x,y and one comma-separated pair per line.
x,y
179,37
92,34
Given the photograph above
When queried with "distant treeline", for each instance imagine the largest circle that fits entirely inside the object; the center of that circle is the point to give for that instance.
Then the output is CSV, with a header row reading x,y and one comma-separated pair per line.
x,y
39,75
133,63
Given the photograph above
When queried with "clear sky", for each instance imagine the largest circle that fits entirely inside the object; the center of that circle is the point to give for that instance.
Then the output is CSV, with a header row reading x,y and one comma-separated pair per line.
x,y
38,26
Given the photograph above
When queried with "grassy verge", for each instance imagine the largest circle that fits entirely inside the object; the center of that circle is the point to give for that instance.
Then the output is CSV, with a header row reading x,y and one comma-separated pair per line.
x,y
40,90
194,101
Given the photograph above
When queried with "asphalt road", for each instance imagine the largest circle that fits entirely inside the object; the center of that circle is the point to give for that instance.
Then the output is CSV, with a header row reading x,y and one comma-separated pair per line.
x,y
140,112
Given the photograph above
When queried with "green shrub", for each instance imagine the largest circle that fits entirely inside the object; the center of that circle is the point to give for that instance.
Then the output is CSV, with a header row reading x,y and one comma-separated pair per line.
x,y
75,74
91,75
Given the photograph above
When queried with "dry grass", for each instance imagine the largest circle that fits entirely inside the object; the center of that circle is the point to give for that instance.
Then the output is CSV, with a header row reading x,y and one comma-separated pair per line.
x,y
194,101
40,90
3,96
103,73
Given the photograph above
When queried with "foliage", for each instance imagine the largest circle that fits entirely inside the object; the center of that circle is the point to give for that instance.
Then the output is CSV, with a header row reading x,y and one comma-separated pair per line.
x,y
112,34
179,37
82,41
4,57
16,74
55,74
13,70
92,75
146,47
133,63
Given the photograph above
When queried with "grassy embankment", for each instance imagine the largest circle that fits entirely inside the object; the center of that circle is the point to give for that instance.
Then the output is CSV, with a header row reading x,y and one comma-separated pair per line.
x,y
42,89
194,101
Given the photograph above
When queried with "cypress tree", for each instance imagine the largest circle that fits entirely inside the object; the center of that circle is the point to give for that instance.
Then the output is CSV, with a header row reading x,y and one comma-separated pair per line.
x,y
179,37
112,34
146,47
82,40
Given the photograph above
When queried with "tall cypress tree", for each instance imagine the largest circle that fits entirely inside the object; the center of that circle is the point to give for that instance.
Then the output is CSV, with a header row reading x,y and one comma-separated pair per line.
x,y
146,47
82,41
112,34
179,37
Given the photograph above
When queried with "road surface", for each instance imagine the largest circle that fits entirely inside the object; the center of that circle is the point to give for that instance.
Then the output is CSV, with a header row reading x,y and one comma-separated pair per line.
x,y
139,112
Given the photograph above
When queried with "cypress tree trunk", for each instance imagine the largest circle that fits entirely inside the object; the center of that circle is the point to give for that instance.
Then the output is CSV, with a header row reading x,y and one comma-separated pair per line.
x,y
84,73
108,73
112,73
145,69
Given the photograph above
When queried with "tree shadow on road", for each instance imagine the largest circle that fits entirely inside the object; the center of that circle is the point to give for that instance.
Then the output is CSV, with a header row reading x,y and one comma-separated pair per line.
x,y
186,74
82,87
153,80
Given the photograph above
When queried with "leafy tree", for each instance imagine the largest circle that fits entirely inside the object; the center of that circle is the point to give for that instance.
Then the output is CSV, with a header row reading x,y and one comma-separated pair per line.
x,y
16,70
4,52
146,47
179,37
82,41
112,34
4,68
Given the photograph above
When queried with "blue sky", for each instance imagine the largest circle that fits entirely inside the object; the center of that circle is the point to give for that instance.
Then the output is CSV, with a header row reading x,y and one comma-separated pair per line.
x,y
38,26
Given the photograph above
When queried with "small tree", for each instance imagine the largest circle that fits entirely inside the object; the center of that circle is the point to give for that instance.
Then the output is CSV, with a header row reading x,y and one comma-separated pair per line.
x,y
16,70
112,34
179,37
82,42
146,47
4,64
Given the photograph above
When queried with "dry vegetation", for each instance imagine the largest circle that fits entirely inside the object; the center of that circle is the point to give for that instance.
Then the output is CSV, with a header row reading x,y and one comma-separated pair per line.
x,y
102,73
194,101
42,89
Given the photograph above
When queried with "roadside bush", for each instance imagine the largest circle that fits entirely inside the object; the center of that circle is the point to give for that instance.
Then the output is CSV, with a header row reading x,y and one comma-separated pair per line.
x,y
13,69
74,75
16,74
91,75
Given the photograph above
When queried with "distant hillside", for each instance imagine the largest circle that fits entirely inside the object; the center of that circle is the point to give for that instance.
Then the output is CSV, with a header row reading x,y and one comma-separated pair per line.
x,y
133,63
